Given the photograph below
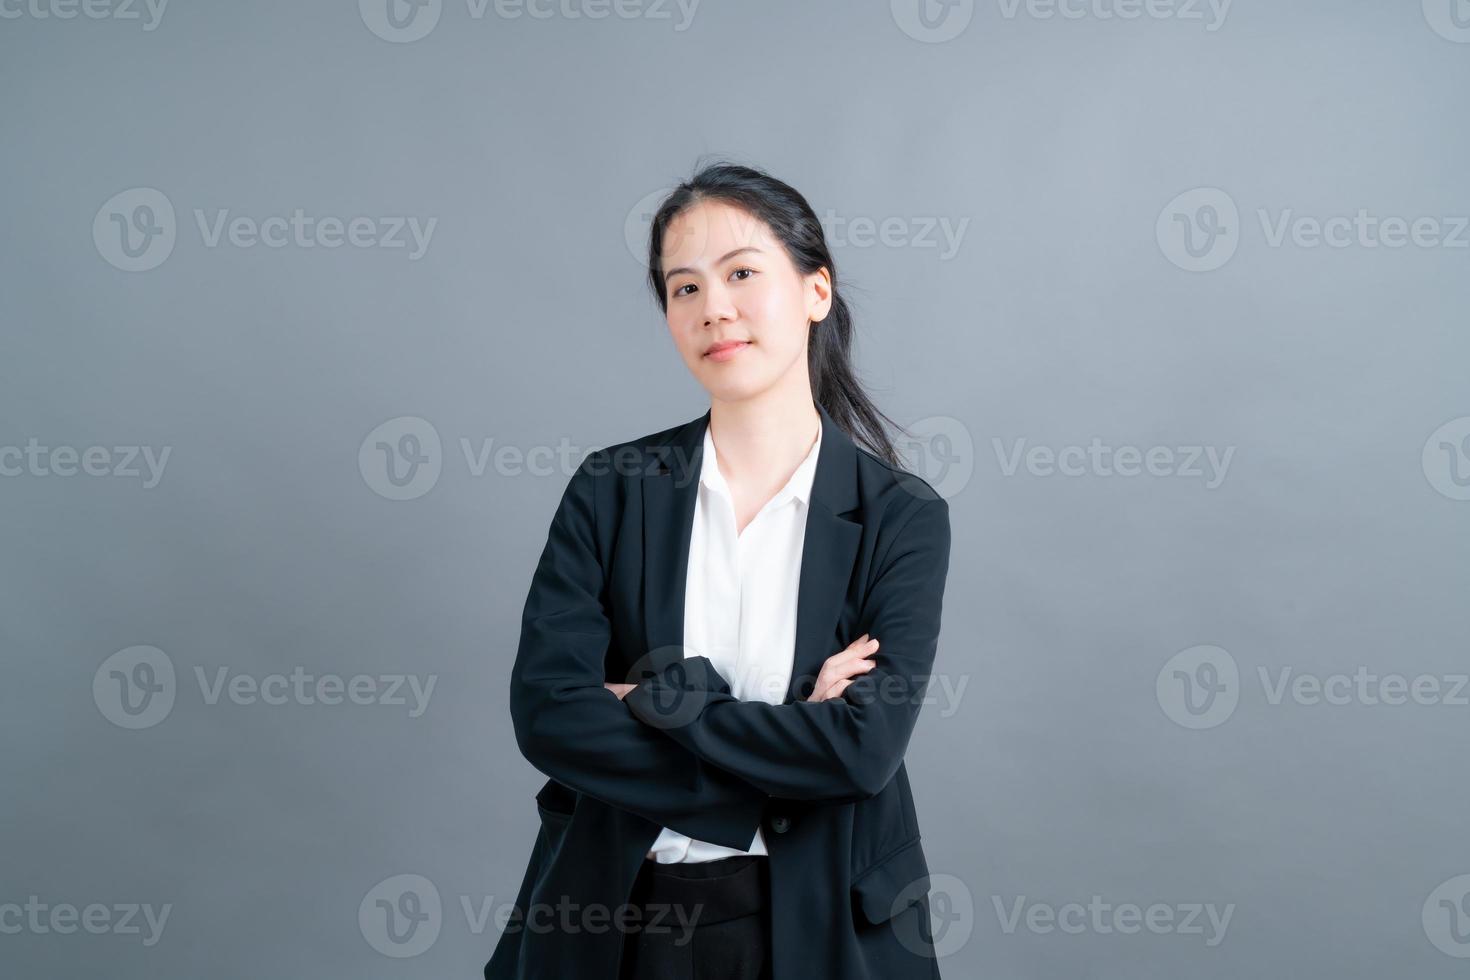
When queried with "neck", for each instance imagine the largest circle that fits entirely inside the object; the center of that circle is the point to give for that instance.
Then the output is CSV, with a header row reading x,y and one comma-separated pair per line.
x,y
763,440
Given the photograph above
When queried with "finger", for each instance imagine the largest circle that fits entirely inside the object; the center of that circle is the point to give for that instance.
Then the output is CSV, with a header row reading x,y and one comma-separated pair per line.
x,y
853,668
843,662
854,651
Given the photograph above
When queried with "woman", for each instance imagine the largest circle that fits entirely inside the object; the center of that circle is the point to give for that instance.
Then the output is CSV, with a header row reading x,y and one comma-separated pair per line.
x,y
726,643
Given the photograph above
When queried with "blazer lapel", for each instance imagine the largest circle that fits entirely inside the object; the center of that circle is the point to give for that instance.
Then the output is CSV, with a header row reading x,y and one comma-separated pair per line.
x,y
827,555
669,493
828,549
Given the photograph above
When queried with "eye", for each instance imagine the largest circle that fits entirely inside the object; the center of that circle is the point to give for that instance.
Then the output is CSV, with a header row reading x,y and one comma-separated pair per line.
x,y
687,285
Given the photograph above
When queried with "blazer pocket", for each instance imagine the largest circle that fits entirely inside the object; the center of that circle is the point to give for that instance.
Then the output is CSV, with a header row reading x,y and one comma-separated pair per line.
x,y
893,884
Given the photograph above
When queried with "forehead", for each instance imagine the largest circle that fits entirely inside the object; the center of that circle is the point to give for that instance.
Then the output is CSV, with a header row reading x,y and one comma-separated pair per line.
x,y
707,230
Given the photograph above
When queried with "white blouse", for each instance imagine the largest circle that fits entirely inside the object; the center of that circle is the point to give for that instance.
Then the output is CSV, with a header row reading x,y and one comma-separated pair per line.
x,y
740,604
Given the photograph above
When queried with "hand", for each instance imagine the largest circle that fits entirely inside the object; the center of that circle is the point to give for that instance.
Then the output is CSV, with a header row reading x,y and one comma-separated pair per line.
x,y
620,689
842,668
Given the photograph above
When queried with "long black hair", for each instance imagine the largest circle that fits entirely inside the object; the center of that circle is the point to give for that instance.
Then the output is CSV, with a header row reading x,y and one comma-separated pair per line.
x,y
792,221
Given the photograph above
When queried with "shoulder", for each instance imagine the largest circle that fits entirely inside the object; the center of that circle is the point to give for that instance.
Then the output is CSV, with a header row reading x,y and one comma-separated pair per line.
x,y
608,476
893,495
601,485
908,518
643,455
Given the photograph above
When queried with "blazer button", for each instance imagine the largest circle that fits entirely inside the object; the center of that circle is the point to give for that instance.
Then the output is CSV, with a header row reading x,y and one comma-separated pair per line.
x,y
780,824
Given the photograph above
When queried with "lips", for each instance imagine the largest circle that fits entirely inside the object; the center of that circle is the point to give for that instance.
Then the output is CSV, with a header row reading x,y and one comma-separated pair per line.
x,y
726,349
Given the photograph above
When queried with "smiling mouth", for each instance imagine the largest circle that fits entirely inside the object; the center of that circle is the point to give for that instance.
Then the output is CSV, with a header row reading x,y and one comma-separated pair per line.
x,y
725,351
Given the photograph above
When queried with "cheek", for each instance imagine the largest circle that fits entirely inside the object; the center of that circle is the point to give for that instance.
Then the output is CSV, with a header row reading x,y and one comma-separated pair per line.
x,y
782,326
687,340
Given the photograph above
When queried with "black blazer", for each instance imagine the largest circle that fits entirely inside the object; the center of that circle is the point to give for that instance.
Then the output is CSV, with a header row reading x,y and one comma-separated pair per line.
x,y
825,780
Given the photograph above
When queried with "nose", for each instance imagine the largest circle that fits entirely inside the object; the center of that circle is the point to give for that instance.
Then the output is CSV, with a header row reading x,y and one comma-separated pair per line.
x,y
718,304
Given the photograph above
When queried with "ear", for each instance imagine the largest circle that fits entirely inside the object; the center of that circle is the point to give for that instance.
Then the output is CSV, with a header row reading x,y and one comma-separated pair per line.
x,y
819,295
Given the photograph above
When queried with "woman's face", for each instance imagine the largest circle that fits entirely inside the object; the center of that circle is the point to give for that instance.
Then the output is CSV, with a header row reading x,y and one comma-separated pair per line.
x,y
727,279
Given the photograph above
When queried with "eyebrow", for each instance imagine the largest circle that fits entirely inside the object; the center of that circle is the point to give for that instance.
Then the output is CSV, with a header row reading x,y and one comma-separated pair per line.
x,y
722,258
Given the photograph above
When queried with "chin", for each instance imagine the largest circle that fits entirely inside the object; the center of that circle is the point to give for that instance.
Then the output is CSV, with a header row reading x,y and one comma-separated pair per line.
x,y
734,389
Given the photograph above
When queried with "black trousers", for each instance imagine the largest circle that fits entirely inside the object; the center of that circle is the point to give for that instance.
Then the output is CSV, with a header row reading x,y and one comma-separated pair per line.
x,y
705,920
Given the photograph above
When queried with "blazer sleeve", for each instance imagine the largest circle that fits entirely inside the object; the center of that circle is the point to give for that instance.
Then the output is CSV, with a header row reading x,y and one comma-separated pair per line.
x,y
845,748
575,730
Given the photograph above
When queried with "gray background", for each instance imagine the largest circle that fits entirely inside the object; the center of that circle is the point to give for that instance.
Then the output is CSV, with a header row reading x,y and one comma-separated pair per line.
x,y
1062,772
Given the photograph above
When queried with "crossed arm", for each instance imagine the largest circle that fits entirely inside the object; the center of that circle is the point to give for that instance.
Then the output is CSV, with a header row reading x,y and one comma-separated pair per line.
x,y
708,773
838,750
574,730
